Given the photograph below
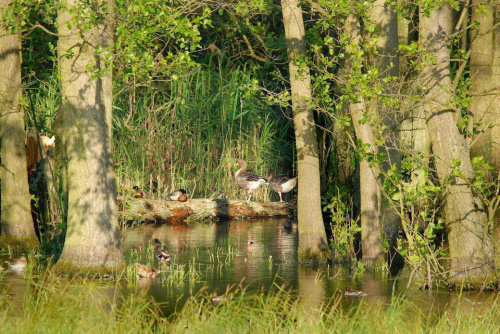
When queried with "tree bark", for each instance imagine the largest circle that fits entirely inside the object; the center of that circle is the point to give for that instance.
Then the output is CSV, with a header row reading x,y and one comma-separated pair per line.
x,y
384,17
482,109
16,220
92,236
469,241
371,228
312,235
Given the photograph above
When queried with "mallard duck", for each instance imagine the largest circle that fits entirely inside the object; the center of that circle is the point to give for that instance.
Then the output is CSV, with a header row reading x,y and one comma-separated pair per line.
x,y
161,254
281,183
248,180
349,292
179,195
138,192
144,271
18,263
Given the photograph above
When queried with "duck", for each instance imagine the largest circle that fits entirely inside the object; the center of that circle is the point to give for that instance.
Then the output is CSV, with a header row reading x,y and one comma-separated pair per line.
x,y
17,263
161,254
178,195
248,180
138,193
349,292
216,299
281,183
144,271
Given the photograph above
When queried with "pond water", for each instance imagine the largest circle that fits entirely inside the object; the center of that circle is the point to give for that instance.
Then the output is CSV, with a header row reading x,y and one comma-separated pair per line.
x,y
261,254
256,255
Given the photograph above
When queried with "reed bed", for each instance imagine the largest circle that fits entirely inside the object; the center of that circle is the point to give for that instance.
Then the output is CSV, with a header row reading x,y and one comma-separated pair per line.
x,y
191,136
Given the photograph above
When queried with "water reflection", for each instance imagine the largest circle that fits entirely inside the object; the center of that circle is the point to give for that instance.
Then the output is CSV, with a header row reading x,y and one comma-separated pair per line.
x,y
255,254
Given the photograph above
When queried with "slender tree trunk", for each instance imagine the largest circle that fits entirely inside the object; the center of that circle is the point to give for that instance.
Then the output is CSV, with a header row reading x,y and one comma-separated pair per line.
x,y
383,16
371,228
312,236
469,241
92,236
495,129
16,218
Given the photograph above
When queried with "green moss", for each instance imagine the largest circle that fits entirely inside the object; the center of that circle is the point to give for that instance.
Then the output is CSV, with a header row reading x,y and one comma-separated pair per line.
x,y
18,245
69,270
309,256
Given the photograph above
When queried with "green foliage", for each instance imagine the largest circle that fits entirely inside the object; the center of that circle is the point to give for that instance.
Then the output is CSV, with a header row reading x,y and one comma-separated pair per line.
x,y
155,39
344,229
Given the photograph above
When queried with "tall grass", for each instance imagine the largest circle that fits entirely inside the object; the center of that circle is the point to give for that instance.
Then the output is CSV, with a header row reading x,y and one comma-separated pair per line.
x,y
191,136
54,306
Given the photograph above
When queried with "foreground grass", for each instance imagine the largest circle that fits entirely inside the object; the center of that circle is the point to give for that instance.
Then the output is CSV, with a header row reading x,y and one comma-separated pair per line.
x,y
54,306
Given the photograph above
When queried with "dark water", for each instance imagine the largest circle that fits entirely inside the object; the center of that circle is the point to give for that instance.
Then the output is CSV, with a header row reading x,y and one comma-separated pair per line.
x,y
255,255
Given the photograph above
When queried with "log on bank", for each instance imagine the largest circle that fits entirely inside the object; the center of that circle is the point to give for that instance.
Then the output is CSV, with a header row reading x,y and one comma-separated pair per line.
x,y
150,210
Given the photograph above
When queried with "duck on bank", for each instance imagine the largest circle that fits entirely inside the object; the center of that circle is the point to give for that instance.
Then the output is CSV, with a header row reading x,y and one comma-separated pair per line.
x,y
248,180
281,183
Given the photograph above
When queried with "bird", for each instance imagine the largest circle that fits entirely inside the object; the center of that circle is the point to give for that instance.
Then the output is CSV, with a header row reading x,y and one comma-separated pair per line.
x,y
248,180
349,292
178,195
281,183
144,271
17,263
138,193
217,299
161,254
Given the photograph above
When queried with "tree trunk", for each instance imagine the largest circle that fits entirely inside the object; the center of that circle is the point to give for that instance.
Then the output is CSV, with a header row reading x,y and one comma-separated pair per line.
x,y
383,16
312,235
16,218
469,241
495,129
371,229
482,110
92,236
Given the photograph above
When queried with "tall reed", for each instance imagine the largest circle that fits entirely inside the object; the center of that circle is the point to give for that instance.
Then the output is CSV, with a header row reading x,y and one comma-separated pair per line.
x,y
191,136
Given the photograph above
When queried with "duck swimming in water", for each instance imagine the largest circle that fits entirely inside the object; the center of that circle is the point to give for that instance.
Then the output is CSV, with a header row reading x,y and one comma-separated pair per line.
x,y
179,195
17,263
281,183
144,271
349,292
248,180
161,254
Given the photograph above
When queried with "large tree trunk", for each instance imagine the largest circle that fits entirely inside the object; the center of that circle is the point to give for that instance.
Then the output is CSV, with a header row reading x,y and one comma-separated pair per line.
x,y
469,241
371,228
312,235
482,109
383,16
92,236
16,218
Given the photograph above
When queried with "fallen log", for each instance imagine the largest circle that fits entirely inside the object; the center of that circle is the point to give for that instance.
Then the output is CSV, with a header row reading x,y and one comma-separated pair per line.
x,y
196,210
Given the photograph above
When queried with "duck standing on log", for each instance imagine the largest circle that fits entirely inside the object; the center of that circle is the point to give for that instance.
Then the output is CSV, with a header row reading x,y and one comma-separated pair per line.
x,y
161,255
178,195
281,183
138,193
248,180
